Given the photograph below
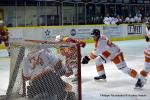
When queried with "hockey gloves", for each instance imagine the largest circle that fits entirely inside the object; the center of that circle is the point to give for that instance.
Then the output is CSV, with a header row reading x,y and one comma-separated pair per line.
x,y
82,44
85,60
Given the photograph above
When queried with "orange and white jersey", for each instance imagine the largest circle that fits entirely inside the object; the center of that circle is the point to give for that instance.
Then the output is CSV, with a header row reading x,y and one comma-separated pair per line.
x,y
105,48
110,52
146,69
38,62
147,53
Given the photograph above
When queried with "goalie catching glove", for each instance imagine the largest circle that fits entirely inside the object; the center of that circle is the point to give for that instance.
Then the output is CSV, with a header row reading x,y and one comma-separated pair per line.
x,y
85,60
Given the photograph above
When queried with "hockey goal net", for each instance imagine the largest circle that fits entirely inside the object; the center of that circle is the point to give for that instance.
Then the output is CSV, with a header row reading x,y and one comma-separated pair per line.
x,y
41,70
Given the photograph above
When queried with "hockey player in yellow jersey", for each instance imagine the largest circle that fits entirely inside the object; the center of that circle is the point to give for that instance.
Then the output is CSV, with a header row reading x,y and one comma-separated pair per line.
x,y
104,51
71,63
4,35
144,72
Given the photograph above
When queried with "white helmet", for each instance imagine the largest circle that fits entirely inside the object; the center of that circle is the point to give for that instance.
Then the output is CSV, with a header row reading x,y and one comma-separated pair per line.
x,y
59,38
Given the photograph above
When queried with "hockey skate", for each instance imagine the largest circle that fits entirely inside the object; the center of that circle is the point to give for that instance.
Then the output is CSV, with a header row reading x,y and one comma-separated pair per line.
x,y
140,83
102,77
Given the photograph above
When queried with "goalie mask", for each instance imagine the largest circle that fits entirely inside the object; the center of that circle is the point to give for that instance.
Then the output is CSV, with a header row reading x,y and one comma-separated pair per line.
x,y
96,34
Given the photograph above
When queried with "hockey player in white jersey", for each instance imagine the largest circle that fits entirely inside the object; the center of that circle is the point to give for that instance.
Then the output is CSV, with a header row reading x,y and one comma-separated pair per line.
x,y
144,72
43,70
105,49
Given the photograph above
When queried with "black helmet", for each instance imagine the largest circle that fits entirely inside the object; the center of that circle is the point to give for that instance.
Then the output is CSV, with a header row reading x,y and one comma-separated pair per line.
x,y
96,32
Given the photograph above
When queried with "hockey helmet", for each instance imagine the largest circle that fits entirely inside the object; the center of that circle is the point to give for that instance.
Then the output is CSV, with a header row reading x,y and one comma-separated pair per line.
x,y
59,38
96,32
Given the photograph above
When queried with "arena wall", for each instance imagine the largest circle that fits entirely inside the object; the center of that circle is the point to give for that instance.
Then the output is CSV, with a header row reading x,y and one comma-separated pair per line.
x,y
76,31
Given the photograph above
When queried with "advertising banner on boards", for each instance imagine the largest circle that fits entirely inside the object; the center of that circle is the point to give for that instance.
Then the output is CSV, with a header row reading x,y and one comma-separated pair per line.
x,y
113,31
134,29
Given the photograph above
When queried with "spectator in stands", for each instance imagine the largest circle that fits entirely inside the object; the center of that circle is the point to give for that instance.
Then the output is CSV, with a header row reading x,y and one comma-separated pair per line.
x,y
137,17
107,19
129,19
132,20
120,20
145,19
113,20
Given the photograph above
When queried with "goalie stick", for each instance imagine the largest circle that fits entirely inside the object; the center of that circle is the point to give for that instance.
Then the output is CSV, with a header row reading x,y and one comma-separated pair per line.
x,y
103,59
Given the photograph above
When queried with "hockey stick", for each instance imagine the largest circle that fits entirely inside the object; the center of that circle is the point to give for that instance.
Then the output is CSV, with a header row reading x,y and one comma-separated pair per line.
x,y
104,60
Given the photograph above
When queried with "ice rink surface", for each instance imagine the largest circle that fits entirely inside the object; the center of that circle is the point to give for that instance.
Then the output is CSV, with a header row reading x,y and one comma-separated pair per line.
x,y
118,85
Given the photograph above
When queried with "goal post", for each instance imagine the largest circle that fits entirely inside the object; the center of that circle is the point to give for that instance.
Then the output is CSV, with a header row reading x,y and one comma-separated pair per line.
x,y
55,82
13,76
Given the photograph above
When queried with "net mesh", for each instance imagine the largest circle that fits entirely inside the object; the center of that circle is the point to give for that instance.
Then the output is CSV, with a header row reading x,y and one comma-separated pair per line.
x,y
44,71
